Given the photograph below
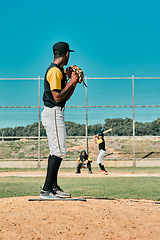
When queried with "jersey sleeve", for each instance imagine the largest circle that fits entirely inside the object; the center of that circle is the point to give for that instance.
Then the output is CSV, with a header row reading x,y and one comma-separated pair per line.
x,y
54,77
89,159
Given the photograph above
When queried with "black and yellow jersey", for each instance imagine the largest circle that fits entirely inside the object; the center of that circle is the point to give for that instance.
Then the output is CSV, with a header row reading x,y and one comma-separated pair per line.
x,y
55,79
82,159
101,144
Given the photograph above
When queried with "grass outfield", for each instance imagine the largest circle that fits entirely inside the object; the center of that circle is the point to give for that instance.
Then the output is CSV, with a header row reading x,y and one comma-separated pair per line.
x,y
118,187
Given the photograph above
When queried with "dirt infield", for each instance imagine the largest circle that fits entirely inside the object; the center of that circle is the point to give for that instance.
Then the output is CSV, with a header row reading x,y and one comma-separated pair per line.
x,y
73,174
94,219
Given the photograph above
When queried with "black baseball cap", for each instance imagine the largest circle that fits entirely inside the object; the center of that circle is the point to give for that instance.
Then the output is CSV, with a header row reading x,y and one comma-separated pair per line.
x,y
61,48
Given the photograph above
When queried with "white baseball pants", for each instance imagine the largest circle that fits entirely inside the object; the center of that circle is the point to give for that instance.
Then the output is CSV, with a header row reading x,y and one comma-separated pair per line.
x,y
54,124
100,156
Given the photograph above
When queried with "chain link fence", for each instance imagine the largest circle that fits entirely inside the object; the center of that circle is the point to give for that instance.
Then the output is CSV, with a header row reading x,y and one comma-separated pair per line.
x,y
136,98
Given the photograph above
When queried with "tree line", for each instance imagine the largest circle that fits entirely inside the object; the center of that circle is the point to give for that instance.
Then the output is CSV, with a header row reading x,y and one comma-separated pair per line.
x,y
121,127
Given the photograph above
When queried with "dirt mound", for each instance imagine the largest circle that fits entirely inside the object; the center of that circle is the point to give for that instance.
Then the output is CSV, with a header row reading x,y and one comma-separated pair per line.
x,y
93,219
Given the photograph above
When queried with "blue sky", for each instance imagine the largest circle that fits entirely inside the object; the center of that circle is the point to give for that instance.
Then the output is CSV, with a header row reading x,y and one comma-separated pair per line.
x,y
110,39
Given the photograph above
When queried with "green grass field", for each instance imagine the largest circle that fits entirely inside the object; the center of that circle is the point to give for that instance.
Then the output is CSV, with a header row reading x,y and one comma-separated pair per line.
x,y
116,187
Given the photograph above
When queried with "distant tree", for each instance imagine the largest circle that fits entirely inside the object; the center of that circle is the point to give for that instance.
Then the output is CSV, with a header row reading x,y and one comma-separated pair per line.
x,y
94,129
120,126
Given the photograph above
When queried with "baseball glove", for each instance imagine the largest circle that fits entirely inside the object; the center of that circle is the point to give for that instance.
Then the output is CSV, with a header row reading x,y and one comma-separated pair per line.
x,y
68,71
85,162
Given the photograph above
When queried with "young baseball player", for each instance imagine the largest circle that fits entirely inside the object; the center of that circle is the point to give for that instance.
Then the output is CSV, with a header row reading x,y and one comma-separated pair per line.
x,y
99,138
84,162
56,92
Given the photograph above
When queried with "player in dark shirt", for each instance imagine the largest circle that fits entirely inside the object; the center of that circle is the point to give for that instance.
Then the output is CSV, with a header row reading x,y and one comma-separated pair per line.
x,y
83,161
99,138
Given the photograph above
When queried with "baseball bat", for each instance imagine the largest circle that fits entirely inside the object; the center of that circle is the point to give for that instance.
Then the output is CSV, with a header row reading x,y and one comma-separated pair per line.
x,y
109,130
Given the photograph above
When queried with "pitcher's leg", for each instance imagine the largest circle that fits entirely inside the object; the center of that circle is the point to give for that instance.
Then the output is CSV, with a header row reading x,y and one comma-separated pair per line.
x,y
52,170
53,121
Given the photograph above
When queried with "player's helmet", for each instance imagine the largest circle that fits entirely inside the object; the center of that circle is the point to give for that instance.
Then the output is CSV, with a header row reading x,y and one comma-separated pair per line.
x,y
100,134
83,151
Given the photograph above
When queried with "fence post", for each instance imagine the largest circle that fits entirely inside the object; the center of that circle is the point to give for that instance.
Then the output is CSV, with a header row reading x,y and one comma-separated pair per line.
x,y
2,135
86,116
134,159
39,122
